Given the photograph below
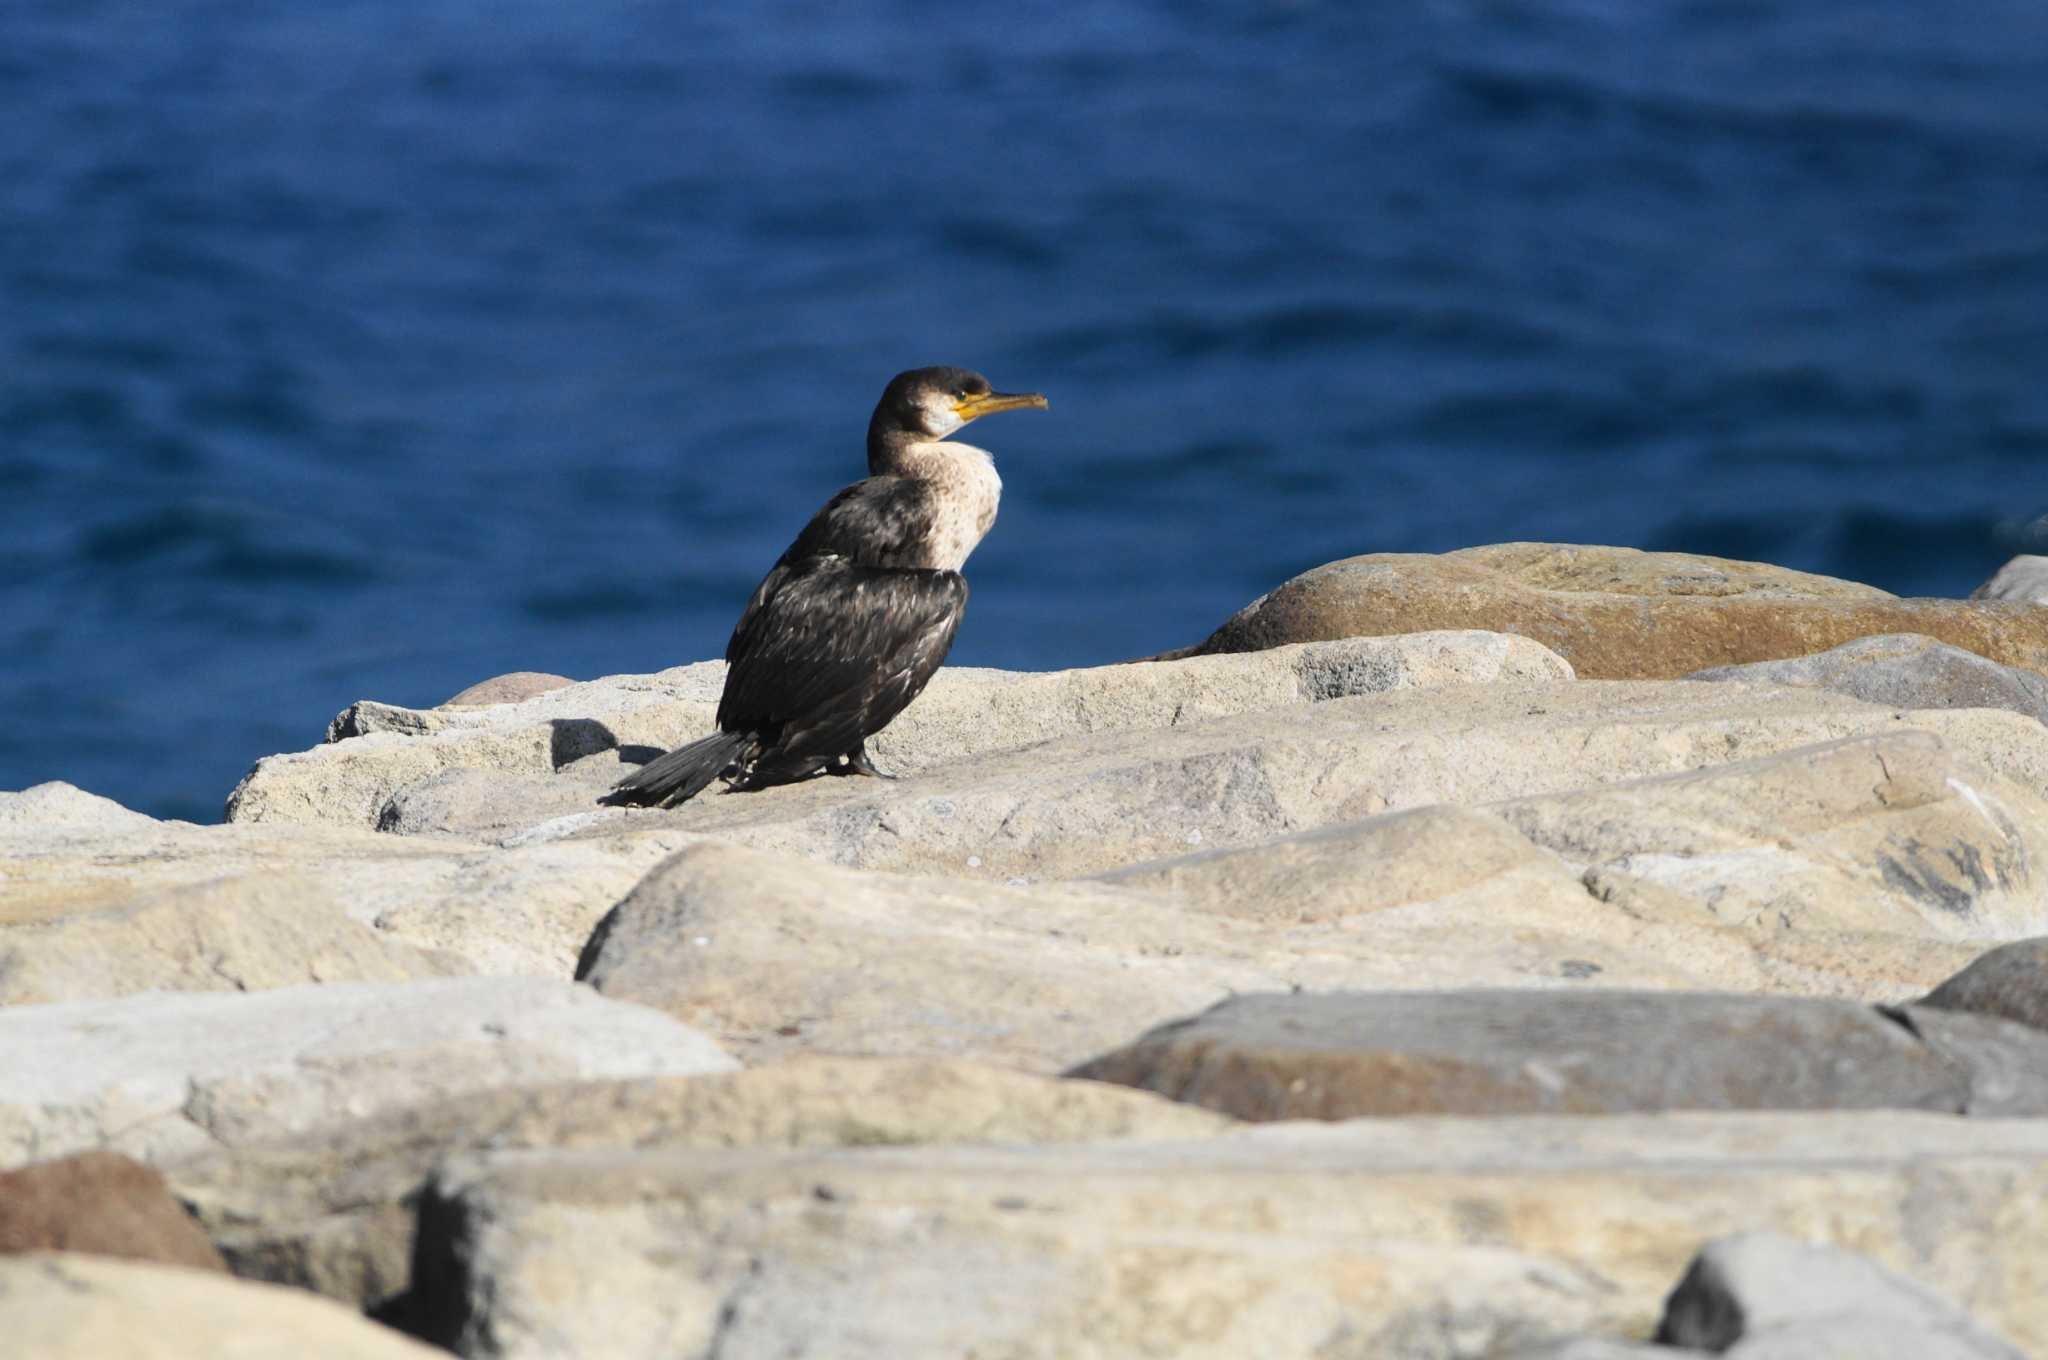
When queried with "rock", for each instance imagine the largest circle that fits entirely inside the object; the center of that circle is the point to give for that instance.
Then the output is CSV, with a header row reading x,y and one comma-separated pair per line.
x,y
54,805
1592,1348
92,911
235,934
1762,1294
2004,1065
964,712
1615,613
101,1203
2023,579
1906,671
1351,1054
1078,807
331,1209
512,688
167,1075
1895,831
1832,870
2010,982
1412,1239
56,1306
774,955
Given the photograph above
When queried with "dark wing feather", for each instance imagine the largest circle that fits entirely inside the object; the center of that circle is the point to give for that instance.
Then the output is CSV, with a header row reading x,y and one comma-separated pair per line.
x,y
876,522
829,651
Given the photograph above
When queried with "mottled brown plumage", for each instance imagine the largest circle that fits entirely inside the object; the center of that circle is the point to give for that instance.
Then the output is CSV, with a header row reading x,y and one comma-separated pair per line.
x,y
859,613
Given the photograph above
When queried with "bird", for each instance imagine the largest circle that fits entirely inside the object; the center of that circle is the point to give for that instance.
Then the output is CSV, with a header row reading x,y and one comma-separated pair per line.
x,y
854,619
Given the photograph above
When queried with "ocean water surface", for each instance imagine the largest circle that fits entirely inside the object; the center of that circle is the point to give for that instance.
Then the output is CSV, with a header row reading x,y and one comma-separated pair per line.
x,y
368,349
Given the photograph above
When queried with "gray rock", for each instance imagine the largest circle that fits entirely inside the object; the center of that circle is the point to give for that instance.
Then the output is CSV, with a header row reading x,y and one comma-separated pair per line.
x,y
1905,670
2010,982
167,1075
2005,1064
1408,1239
1344,1055
1764,1296
2023,579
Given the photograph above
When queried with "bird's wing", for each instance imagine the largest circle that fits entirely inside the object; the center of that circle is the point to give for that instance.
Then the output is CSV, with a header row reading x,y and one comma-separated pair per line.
x,y
876,522
828,651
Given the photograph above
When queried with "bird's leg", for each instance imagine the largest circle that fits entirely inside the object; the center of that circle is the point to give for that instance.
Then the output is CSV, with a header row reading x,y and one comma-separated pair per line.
x,y
857,762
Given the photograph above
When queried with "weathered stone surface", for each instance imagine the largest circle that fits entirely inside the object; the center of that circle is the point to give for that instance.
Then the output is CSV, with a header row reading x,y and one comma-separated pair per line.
x,y
1592,1348
332,1208
774,955
1616,613
2004,1064
965,712
1084,806
1803,857
1350,1054
1397,1239
58,806
2023,579
1895,831
234,934
57,1306
1762,1294
511,688
167,1075
101,1203
93,910
1904,670
2010,982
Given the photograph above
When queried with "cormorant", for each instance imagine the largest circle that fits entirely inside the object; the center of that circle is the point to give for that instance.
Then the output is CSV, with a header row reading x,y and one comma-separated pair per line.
x,y
856,616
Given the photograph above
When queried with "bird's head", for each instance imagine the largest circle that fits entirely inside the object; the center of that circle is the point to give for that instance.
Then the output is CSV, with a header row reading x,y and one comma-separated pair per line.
x,y
930,403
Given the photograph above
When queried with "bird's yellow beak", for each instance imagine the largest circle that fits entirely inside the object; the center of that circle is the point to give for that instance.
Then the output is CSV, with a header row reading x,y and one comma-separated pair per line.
x,y
973,408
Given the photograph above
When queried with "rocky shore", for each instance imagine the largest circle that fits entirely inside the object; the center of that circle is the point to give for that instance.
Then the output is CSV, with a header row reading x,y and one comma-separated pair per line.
x,y
1533,951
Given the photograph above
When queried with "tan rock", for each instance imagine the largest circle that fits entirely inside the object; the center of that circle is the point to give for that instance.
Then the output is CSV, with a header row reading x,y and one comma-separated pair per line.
x,y
512,688
377,751
332,1209
234,934
1078,806
776,955
56,1306
1894,831
112,908
1616,613
168,1075
101,1203
1398,1239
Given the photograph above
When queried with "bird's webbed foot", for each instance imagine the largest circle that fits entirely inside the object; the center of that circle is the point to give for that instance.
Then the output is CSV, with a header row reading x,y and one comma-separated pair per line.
x,y
857,762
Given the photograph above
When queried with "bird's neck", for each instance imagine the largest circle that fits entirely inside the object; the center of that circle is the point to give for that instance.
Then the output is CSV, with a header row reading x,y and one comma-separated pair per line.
x,y
964,482
931,460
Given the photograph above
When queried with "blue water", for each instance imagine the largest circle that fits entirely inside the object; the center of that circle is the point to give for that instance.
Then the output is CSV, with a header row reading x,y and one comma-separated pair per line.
x,y
374,347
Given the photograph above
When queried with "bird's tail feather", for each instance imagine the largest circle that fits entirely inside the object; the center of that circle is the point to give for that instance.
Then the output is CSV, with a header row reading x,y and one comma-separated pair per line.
x,y
680,775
